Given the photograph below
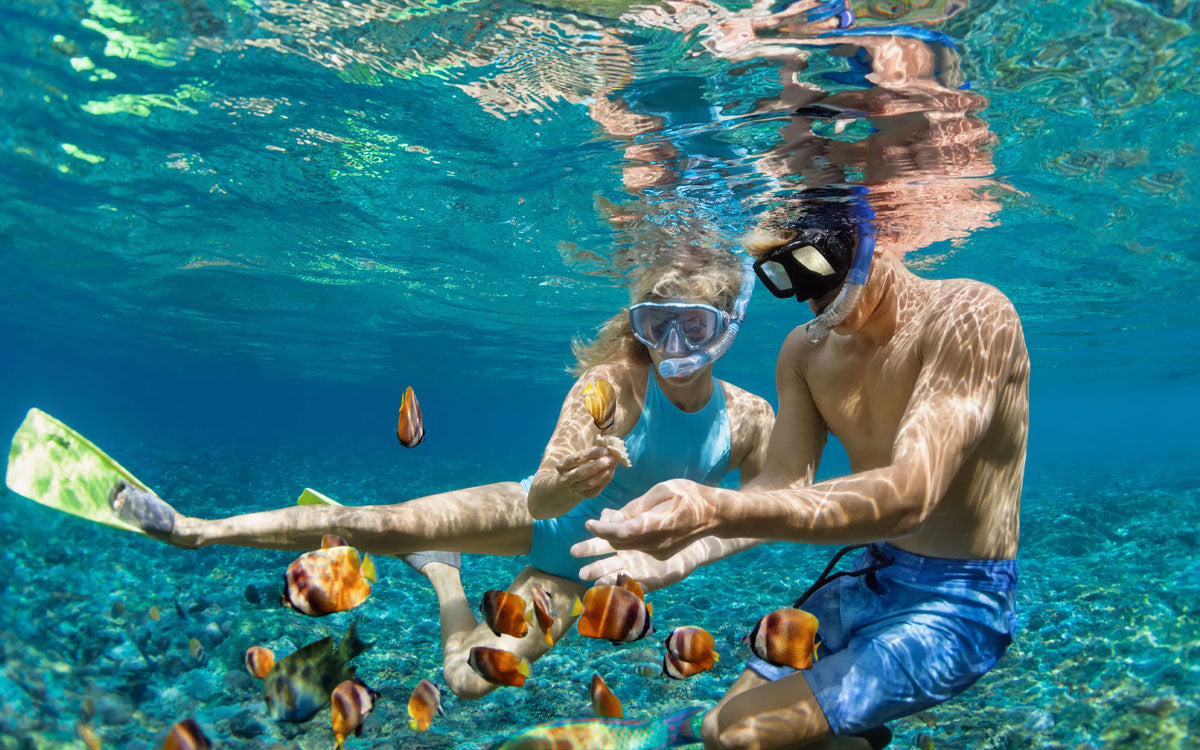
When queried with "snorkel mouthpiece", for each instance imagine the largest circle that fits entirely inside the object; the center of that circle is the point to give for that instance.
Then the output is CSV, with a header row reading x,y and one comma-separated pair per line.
x,y
678,367
864,252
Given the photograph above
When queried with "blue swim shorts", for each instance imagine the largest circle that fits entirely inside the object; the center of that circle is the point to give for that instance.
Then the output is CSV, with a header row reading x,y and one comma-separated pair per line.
x,y
905,638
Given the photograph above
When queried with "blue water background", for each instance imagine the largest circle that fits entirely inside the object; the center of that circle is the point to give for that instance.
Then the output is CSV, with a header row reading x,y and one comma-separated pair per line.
x,y
363,267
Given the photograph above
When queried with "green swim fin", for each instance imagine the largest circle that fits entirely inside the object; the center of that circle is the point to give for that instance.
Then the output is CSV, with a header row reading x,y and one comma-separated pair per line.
x,y
312,497
54,465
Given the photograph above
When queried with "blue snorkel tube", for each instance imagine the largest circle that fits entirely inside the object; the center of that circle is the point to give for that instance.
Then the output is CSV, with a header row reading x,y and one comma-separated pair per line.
x,y
684,366
864,252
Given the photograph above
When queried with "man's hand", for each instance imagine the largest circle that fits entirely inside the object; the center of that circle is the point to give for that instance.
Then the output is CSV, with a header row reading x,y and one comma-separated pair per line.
x,y
586,472
662,522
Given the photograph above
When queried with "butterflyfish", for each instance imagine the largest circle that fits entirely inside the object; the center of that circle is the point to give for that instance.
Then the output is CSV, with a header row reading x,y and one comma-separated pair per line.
x,y
612,613
786,637
423,704
186,735
410,430
543,611
499,667
504,612
259,661
600,399
682,728
349,704
332,579
604,703
693,644
300,685
679,669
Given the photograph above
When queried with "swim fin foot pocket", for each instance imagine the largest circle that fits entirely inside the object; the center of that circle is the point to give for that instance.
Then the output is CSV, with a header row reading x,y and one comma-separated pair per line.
x,y
141,508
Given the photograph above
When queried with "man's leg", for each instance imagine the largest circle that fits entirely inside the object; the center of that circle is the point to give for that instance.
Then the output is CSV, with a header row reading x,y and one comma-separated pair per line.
x,y
488,519
461,633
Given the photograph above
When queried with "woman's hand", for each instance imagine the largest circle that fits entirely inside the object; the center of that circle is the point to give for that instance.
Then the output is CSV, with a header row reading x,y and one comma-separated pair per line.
x,y
651,573
586,472
662,522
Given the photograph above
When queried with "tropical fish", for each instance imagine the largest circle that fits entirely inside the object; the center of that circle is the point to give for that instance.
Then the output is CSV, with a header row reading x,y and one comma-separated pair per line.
x,y
543,611
498,667
333,540
604,703
626,581
612,613
186,735
196,649
299,686
425,701
349,704
327,580
692,644
600,399
679,669
87,735
410,430
259,661
505,613
154,613
785,636
682,728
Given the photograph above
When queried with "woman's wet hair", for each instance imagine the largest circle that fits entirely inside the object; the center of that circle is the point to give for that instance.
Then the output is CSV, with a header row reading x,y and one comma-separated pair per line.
x,y
685,273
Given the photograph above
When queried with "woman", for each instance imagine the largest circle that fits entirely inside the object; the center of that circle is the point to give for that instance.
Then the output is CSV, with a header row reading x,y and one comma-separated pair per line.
x,y
691,426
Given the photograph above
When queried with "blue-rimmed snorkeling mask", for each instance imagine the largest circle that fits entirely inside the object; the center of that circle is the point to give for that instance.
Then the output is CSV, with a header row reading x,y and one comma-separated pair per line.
x,y
676,328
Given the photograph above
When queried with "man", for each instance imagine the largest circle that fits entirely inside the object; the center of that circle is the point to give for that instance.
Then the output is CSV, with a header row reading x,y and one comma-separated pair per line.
x,y
925,383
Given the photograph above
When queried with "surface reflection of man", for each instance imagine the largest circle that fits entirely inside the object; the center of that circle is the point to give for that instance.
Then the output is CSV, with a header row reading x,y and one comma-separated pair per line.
x,y
925,384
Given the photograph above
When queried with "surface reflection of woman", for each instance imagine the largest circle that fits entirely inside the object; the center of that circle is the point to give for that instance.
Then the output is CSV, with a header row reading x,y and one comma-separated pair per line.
x,y
694,426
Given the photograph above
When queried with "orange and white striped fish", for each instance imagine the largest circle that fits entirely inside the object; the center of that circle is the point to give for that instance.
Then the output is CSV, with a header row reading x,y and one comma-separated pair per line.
x,y
504,612
786,637
498,666
331,579
693,644
259,661
604,703
678,669
410,429
613,613
543,611
423,704
349,704
627,582
186,735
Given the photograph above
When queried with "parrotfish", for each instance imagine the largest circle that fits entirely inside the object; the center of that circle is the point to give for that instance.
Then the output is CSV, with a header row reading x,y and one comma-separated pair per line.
x,y
349,704
498,666
186,735
425,701
612,613
600,399
785,636
504,612
543,611
299,686
331,579
692,644
682,728
410,430
604,703
259,661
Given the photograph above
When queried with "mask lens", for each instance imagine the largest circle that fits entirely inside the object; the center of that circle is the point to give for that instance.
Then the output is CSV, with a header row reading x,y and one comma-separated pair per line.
x,y
778,276
697,324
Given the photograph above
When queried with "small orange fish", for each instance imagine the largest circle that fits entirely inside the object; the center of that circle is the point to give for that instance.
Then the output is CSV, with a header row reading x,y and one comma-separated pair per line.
x,y
87,735
694,644
425,701
600,399
196,649
186,735
612,613
543,611
499,667
349,704
604,703
410,430
678,669
785,636
259,661
327,580
154,614
118,609
505,613
333,540
627,582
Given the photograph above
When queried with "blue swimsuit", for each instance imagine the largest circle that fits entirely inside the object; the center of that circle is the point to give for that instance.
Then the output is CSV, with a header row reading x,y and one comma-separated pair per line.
x,y
666,443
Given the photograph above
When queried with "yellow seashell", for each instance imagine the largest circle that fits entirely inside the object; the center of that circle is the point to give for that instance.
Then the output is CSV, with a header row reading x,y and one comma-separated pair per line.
x,y
600,398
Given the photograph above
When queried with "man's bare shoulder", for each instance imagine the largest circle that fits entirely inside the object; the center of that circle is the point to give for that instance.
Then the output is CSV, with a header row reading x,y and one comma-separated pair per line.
x,y
965,317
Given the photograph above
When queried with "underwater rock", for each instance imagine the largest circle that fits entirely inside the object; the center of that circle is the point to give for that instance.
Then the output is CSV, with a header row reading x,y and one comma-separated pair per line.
x,y
246,724
1039,721
237,681
252,594
113,710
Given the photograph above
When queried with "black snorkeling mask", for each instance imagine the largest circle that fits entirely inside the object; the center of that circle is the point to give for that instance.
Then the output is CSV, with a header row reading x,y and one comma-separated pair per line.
x,y
811,264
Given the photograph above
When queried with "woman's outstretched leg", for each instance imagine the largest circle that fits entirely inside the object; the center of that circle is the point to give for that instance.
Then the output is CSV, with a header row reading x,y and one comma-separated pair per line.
x,y
488,519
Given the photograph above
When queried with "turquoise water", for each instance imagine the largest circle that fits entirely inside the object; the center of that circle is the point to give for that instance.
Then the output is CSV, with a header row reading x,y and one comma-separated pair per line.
x,y
234,232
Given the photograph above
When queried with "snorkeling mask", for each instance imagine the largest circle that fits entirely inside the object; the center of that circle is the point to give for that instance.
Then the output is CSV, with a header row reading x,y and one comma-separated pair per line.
x,y
677,328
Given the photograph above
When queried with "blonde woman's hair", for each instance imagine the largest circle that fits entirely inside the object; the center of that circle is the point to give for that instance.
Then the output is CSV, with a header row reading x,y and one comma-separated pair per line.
x,y
691,273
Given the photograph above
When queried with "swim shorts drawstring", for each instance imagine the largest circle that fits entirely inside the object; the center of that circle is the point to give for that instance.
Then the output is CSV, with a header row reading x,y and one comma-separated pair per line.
x,y
872,582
